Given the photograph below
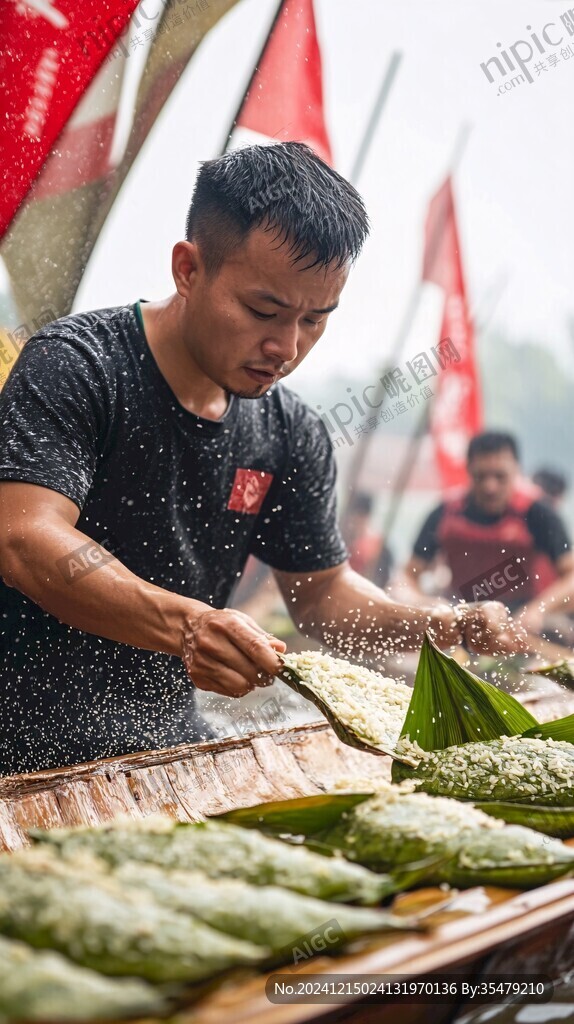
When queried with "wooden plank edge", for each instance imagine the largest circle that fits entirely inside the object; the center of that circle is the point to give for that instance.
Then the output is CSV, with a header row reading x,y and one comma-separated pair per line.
x,y
18,785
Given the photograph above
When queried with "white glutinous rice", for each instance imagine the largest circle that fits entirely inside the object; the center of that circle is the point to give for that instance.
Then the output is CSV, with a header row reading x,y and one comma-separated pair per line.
x,y
372,705
516,768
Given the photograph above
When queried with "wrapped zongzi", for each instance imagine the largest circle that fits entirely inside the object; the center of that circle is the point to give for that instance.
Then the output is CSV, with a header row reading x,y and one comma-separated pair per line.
x,y
511,769
44,986
222,850
470,847
265,915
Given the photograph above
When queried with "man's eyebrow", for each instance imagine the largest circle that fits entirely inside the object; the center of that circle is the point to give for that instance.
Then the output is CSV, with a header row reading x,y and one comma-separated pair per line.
x,y
266,297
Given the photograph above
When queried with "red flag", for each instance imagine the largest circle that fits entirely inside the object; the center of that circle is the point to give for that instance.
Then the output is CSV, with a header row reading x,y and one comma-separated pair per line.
x,y
456,413
51,52
64,210
284,99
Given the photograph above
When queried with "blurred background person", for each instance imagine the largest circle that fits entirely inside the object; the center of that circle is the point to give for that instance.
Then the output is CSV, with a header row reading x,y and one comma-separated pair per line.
x,y
552,487
367,553
493,535
553,484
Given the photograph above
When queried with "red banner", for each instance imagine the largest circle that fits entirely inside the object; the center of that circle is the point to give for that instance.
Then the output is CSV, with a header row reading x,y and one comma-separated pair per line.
x,y
50,54
456,413
284,99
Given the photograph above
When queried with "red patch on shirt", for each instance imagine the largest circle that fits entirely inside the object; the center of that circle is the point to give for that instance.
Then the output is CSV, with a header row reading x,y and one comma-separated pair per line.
x,y
249,489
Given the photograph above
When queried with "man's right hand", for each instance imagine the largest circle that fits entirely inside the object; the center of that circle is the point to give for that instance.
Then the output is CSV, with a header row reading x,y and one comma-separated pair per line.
x,y
227,652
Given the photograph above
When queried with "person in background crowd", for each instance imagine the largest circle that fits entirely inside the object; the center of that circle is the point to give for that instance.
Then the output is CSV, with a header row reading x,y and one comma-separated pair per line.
x,y
492,536
368,555
553,485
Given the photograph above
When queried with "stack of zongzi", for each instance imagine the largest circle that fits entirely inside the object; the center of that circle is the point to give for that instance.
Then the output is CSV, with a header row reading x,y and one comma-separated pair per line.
x,y
266,915
52,904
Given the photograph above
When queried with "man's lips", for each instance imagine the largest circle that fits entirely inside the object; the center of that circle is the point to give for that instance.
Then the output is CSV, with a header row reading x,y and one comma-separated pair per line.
x,y
262,376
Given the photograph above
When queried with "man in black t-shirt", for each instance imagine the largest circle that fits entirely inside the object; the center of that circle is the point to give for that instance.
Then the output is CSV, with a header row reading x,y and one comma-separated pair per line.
x,y
500,538
148,450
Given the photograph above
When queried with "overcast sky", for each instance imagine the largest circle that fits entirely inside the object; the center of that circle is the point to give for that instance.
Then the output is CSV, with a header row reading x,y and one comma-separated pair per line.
x,y
514,185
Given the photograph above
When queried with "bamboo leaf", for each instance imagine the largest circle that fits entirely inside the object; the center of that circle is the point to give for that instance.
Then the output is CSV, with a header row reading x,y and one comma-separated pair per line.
x,y
553,821
509,876
302,816
451,706
561,729
560,671
424,872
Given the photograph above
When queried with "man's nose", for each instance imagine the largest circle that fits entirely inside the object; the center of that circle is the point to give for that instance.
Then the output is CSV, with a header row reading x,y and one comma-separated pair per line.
x,y
283,344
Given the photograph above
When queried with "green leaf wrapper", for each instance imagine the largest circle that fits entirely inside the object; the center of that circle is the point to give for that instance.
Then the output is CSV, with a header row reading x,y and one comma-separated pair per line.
x,y
304,815
560,729
451,706
553,821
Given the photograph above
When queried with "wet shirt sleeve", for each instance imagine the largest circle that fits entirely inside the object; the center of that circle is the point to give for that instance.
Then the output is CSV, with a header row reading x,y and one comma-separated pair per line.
x,y
54,416
297,529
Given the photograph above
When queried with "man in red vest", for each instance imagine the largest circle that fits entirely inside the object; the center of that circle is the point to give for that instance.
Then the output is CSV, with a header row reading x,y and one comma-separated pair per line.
x,y
492,538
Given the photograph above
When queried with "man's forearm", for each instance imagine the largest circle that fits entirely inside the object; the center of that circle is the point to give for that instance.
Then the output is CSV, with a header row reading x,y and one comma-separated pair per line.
x,y
352,613
557,597
77,581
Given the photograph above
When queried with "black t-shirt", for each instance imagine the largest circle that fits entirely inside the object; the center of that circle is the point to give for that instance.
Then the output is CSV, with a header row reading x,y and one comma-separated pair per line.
x,y
545,526
181,500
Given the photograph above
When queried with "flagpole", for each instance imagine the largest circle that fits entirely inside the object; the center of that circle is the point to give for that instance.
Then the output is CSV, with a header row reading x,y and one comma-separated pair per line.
x,y
358,462
481,321
404,474
276,17
373,122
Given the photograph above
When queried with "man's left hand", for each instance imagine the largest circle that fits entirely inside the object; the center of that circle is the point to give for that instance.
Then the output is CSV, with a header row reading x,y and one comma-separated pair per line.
x,y
488,628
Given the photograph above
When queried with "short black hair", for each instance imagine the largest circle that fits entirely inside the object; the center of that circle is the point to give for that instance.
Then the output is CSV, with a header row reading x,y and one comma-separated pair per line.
x,y
551,481
492,441
286,188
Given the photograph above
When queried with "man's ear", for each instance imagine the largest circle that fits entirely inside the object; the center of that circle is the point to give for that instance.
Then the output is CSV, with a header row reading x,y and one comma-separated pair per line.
x,y
185,263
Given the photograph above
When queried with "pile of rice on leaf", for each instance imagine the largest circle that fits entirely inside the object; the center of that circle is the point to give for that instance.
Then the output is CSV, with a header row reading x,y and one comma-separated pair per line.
x,y
365,708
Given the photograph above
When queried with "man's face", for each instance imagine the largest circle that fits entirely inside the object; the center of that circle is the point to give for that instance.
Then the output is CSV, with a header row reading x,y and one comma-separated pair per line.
x,y
257,319
493,477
